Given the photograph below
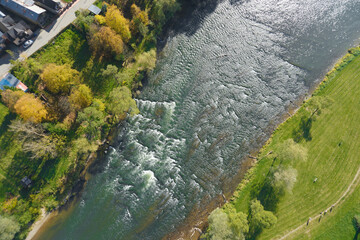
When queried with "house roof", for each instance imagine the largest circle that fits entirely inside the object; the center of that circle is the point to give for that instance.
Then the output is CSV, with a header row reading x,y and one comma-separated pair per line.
x,y
11,81
94,9
53,4
25,8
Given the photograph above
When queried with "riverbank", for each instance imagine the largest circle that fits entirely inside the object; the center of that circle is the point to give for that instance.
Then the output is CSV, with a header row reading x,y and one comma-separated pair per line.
x,y
331,142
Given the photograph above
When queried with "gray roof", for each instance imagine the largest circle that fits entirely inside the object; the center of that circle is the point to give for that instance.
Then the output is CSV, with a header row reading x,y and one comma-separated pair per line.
x,y
94,9
25,8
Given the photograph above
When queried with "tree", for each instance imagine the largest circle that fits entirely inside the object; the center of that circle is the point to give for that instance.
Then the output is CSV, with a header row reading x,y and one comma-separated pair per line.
x,y
163,10
219,228
121,102
260,218
80,97
91,120
139,22
284,179
59,79
83,20
146,61
30,108
105,42
238,222
291,151
35,141
8,228
10,97
116,21
110,72
315,105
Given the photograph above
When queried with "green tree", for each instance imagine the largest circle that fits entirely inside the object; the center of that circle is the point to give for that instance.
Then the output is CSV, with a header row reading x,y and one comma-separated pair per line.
x,y
30,108
120,102
8,228
91,121
59,79
219,228
10,97
259,218
146,61
238,222
116,21
316,104
80,97
291,151
83,20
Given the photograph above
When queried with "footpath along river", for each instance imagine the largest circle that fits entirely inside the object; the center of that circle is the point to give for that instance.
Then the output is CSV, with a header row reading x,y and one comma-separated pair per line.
x,y
223,80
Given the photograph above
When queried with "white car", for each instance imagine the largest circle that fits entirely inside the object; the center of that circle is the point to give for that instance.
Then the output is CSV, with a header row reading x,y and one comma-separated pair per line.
x,y
28,43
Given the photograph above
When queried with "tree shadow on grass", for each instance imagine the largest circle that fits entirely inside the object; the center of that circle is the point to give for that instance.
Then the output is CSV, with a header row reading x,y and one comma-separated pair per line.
x,y
6,122
304,130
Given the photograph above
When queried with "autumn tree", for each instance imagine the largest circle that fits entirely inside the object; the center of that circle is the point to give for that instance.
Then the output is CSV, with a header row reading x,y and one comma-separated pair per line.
x,y
120,102
116,21
10,97
8,228
30,108
105,42
59,79
80,97
139,22
259,218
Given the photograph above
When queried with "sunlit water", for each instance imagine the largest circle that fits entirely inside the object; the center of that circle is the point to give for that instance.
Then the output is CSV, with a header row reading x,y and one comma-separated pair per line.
x,y
218,86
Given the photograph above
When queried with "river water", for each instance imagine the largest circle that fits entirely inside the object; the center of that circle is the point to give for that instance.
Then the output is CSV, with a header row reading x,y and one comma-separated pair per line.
x,y
223,78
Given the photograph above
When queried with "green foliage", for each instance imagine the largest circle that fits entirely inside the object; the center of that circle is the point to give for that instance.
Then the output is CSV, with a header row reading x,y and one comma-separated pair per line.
x,y
91,120
83,20
284,179
289,151
219,228
120,102
238,222
259,218
146,61
8,228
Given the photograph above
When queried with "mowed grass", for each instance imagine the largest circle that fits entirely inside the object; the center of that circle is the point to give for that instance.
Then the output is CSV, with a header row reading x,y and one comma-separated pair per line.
x,y
333,158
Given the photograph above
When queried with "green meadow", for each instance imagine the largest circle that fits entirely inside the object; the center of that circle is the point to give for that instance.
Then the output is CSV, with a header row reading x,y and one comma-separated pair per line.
x,y
332,140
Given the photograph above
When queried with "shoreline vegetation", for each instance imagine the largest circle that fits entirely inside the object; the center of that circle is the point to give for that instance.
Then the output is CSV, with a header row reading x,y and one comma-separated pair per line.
x,y
77,98
308,165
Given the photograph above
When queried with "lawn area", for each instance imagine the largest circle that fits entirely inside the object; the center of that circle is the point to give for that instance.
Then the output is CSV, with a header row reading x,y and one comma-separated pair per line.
x,y
333,157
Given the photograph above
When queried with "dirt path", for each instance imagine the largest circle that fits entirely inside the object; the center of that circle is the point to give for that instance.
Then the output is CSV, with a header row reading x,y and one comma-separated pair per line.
x,y
348,191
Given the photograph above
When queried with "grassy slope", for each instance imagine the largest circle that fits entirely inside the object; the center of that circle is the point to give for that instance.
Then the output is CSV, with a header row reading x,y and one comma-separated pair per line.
x,y
333,158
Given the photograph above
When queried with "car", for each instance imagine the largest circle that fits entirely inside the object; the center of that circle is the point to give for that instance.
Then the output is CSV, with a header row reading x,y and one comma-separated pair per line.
x,y
28,43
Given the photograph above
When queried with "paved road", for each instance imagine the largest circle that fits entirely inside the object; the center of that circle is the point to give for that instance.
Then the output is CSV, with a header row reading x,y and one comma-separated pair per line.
x,y
45,35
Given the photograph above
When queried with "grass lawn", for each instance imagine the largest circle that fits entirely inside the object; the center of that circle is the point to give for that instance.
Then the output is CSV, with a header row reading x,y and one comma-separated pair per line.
x,y
333,158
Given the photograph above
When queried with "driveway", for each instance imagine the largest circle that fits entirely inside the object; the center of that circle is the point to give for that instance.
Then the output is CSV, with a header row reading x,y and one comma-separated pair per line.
x,y
45,35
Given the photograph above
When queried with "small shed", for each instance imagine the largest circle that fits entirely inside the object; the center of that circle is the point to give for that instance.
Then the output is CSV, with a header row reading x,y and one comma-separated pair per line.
x,y
11,81
26,182
94,9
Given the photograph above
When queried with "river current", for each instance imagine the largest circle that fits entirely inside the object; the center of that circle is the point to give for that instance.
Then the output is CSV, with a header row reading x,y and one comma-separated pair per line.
x,y
222,80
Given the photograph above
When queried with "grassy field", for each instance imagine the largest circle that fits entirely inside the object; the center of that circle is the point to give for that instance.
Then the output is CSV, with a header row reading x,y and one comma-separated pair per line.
x,y
333,157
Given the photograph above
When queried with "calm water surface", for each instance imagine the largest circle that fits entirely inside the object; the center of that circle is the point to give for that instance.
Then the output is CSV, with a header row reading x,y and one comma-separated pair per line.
x,y
218,86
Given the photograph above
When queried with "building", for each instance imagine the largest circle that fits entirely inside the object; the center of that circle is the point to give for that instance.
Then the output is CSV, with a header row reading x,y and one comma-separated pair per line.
x,y
94,9
11,81
27,10
15,32
26,182
19,33
53,6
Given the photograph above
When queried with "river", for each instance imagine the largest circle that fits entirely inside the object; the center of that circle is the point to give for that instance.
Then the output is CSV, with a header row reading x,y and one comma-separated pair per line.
x,y
223,79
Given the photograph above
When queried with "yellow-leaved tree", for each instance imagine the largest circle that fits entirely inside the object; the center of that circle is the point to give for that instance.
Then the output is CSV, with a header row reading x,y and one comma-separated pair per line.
x,y
106,42
30,109
80,97
116,21
10,97
59,79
